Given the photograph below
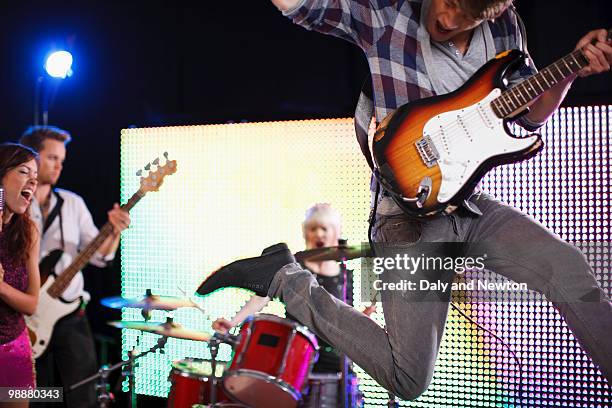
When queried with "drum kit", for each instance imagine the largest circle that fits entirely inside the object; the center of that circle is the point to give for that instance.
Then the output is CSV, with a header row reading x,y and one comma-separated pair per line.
x,y
271,361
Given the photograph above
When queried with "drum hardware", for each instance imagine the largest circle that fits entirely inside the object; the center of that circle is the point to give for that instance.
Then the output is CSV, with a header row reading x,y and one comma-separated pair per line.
x,y
273,357
336,253
105,398
213,346
392,403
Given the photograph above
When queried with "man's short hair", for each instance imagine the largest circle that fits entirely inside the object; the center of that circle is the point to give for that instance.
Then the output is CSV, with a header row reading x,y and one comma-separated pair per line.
x,y
34,136
484,9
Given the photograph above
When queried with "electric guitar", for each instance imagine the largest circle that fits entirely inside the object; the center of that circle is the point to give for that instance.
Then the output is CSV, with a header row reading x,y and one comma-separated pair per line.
x,y
51,307
431,153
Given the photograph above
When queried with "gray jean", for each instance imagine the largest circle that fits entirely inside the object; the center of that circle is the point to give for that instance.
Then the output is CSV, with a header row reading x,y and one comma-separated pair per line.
x,y
401,357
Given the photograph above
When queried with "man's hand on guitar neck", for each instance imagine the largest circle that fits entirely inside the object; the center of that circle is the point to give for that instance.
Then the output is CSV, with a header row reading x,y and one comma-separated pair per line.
x,y
120,220
599,54
597,47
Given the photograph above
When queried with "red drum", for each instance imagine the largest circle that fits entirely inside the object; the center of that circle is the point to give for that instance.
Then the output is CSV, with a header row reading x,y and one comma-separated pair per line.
x,y
271,362
325,391
190,383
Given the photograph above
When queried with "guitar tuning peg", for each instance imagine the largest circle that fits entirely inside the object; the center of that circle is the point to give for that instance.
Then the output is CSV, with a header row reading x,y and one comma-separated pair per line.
x,y
166,155
148,166
156,161
139,173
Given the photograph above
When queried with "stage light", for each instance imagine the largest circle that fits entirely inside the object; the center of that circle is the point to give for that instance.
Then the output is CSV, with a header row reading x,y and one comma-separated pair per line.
x,y
59,64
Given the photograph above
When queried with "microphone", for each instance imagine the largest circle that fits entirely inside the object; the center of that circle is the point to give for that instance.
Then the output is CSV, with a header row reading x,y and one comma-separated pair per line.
x,y
1,206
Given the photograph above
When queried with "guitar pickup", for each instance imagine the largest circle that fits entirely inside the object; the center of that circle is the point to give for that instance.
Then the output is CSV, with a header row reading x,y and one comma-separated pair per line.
x,y
427,150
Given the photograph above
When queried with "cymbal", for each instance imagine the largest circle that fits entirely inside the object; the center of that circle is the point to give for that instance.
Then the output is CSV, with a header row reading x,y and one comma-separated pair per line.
x,y
168,329
150,302
336,253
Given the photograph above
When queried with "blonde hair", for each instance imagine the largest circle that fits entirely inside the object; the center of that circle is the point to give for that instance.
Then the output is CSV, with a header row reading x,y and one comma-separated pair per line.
x,y
484,9
322,213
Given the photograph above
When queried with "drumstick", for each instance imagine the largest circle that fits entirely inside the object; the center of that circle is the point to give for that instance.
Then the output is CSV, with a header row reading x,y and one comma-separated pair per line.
x,y
194,304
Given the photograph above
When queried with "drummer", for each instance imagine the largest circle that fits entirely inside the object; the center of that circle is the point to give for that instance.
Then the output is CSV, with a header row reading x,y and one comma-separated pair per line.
x,y
321,228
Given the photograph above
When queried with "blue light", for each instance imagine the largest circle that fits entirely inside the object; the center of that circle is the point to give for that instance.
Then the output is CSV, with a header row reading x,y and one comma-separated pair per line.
x,y
58,64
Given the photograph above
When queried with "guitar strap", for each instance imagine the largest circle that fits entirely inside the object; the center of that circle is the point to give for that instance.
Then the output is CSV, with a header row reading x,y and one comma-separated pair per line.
x,y
363,118
521,25
54,213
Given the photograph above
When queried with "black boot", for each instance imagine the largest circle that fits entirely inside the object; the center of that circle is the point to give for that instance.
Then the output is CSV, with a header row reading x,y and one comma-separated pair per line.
x,y
255,274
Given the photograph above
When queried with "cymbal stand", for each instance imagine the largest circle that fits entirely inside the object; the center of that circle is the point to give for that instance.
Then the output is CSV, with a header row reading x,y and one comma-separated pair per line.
x,y
392,402
213,345
344,398
105,398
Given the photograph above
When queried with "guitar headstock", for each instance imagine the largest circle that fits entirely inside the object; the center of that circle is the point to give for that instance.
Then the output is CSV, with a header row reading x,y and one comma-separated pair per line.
x,y
154,180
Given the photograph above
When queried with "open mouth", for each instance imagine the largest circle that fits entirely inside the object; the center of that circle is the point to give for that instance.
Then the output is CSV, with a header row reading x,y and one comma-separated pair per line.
x,y
441,28
27,194
320,244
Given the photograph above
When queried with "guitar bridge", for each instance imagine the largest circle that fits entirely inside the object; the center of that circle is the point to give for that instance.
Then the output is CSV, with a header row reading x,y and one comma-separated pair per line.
x,y
428,152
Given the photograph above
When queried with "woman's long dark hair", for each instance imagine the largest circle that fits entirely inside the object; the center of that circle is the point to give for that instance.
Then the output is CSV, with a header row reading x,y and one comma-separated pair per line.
x,y
20,231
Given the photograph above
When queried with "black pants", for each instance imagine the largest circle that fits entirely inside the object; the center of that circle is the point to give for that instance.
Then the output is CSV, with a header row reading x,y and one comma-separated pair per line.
x,y
72,355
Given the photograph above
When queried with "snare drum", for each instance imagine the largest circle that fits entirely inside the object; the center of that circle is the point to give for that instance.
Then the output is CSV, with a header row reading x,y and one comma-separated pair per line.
x,y
190,380
271,362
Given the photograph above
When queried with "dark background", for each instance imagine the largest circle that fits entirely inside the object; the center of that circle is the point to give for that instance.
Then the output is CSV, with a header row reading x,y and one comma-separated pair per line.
x,y
154,63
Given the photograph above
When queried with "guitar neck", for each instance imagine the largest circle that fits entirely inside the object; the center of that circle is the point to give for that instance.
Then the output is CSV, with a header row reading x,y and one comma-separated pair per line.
x,y
63,280
518,97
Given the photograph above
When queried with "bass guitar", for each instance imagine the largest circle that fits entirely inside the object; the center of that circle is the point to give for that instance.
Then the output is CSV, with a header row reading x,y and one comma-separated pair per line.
x,y
51,307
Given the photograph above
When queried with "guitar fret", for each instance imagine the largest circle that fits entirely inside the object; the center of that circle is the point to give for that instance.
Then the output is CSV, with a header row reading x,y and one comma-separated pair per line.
x,y
503,103
575,60
518,88
569,70
564,68
560,72
496,108
551,71
545,79
516,94
503,108
509,101
530,89
510,95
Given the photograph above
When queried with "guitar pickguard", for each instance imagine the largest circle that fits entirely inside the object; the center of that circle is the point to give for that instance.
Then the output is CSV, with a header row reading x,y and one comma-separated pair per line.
x,y
464,139
48,312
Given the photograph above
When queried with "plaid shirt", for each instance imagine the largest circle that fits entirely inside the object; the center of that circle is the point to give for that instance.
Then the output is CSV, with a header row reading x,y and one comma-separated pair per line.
x,y
390,34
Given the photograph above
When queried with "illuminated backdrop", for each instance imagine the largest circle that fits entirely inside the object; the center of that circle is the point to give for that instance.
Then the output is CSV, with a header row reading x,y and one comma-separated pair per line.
x,y
242,187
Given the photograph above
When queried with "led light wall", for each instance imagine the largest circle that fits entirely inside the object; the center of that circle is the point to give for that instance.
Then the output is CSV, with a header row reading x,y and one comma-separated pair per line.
x,y
238,188
241,187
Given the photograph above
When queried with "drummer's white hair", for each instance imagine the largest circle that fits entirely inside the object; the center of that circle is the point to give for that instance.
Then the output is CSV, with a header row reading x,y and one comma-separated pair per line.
x,y
322,213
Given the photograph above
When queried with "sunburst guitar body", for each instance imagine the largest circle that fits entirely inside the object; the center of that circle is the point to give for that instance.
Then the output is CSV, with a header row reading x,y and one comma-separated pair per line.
x,y
431,153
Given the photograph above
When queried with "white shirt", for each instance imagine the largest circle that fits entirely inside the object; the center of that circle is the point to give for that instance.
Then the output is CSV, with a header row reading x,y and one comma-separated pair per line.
x,y
79,230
